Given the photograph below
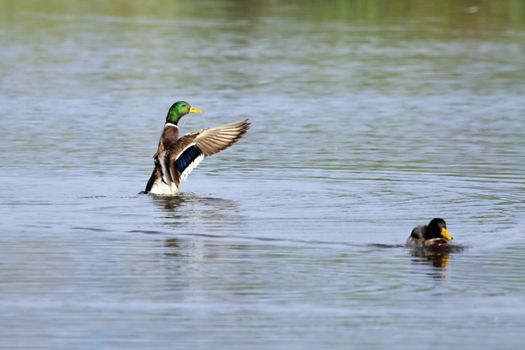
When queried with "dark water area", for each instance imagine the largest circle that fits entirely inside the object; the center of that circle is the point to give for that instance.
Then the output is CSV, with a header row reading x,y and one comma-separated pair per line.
x,y
368,118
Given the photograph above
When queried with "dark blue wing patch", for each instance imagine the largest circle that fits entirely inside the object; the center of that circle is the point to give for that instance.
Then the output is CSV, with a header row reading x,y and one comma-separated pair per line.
x,y
188,156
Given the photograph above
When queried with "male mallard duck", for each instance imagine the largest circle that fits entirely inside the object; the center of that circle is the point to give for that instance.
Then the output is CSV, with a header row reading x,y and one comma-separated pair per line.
x,y
433,235
177,157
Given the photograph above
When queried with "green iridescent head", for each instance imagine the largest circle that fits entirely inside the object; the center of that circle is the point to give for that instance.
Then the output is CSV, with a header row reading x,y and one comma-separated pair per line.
x,y
178,110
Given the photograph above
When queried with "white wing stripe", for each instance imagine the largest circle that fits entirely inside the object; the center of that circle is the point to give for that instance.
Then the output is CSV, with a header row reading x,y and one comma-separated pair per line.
x,y
190,167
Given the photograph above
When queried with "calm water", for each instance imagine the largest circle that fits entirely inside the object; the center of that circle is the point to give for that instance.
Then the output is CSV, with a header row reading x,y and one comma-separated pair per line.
x,y
367,118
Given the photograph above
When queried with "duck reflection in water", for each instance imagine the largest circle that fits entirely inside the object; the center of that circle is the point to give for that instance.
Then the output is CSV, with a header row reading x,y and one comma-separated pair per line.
x,y
439,258
170,203
190,207
191,215
194,226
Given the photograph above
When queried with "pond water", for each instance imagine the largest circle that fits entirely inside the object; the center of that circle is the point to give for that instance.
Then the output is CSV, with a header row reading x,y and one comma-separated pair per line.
x,y
367,119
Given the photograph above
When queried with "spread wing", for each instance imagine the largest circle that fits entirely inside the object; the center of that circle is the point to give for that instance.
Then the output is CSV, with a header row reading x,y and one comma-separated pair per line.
x,y
191,149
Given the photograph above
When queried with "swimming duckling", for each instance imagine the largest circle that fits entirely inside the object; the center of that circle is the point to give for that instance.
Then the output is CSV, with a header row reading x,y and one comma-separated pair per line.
x,y
433,235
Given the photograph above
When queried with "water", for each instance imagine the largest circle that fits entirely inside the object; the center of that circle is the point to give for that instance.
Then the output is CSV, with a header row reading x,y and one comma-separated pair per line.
x,y
367,119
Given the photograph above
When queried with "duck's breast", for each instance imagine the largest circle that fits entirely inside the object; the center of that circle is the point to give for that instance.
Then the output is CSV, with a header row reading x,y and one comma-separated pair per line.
x,y
170,136
163,189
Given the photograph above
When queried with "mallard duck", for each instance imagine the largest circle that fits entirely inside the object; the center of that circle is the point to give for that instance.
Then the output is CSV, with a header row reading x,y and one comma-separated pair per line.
x,y
177,156
433,235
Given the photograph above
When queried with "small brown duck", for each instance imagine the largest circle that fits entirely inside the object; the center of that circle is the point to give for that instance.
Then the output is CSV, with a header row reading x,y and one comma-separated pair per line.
x,y
433,235
177,156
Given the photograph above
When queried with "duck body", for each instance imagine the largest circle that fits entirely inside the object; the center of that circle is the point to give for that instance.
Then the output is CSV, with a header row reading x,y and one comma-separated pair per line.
x,y
434,235
176,157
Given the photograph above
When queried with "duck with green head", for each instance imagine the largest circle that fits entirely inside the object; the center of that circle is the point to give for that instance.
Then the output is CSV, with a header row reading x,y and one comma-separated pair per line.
x,y
433,235
177,156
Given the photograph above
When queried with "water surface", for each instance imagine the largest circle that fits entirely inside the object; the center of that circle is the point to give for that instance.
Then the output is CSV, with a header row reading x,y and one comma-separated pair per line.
x,y
367,119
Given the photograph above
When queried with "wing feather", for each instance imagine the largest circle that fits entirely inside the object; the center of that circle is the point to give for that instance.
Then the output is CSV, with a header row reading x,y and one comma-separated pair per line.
x,y
192,148
213,140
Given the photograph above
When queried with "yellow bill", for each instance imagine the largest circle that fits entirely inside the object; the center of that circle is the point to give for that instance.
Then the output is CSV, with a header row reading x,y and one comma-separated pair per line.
x,y
445,234
195,110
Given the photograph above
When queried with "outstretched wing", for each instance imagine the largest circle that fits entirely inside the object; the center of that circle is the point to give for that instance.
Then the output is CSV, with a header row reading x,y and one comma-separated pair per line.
x,y
191,149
